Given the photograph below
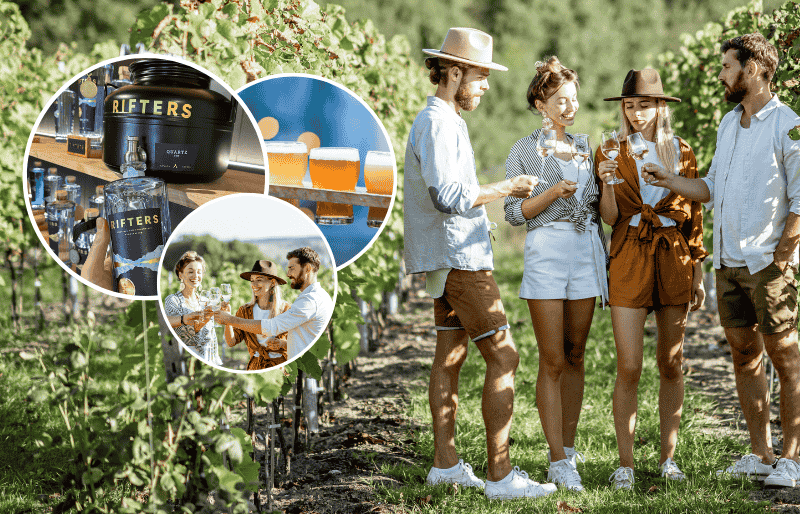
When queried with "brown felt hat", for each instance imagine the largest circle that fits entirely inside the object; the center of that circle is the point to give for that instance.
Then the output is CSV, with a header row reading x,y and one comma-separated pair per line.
x,y
264,268
646,82
470,46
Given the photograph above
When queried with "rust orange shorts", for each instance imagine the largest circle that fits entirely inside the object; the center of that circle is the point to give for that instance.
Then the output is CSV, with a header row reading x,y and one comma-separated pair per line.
x,y
651,274
471,302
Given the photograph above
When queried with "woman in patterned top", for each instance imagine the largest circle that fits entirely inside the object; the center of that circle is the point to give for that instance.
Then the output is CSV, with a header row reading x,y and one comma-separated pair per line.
x,y
185,313
656,254
564,259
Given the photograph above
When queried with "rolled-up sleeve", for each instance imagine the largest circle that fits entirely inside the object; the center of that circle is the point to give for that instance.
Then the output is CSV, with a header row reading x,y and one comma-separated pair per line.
x,y
302,310
791,165
438,158
513,205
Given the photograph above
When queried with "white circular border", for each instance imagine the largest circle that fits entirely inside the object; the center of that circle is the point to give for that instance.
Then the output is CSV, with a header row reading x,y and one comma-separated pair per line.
x,y
333,297
26,157
383,130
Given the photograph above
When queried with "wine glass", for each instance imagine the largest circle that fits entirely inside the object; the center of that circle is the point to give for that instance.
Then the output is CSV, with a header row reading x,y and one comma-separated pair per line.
x,y
637,148
225,289
582,147
610,148
214,297
546,144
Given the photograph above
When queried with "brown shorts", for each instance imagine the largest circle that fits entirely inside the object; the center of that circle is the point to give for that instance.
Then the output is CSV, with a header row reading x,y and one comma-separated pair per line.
x,y
768,298
651,274
471,302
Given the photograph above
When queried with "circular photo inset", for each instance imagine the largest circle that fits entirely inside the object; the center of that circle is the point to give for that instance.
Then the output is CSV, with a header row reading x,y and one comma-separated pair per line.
x,y
247,283
124,152
328,154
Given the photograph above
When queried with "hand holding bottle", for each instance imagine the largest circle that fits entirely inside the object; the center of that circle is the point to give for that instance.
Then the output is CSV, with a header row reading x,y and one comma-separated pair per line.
x,y
98,267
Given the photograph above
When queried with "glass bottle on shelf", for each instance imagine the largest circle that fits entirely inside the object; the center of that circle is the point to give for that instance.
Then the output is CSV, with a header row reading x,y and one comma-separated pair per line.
x,y
37,189
97,201
60,221
52,183
137,211
74,191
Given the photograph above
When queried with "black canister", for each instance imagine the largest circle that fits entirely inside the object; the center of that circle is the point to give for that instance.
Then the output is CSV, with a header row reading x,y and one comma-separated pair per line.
x,y
185,128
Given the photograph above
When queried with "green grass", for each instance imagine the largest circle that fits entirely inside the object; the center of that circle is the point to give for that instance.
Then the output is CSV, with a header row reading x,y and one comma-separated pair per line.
x,y
698,454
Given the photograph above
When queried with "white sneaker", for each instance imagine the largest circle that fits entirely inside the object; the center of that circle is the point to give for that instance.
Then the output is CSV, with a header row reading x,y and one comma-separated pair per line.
x,y
572,455
563,473
460,474
517,485
622,478
786,474
671,471
749,466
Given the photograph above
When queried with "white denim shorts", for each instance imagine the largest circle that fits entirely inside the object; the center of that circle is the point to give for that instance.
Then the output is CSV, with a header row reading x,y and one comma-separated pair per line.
x,y
562,263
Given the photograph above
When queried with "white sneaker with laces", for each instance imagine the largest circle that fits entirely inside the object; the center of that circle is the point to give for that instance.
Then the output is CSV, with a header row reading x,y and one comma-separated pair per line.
x,y
460,474
671,471
622,478
786,474
573,456
517,485
563,473
749,466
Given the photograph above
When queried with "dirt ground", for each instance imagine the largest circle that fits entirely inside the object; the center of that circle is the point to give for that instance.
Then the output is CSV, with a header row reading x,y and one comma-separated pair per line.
x,y
340,465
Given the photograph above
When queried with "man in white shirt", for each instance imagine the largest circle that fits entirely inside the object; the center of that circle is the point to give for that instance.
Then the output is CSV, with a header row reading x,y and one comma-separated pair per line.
x,y
306,318
754,187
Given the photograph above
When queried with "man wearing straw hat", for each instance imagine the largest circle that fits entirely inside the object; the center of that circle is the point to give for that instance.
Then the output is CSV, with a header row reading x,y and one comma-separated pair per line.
x,y
754,187
447,236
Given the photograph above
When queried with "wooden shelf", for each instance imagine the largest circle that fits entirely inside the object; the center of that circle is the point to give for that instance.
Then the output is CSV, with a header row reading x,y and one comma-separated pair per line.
x,y
359,197
187,195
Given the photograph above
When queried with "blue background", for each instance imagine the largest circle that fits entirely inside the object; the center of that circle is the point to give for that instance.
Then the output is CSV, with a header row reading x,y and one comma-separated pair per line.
x,y
306,104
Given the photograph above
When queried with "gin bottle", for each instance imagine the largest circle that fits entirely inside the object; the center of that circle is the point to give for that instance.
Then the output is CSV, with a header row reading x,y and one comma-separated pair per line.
x,y
74,191
37,189
60,221
97,201
52,183
137,211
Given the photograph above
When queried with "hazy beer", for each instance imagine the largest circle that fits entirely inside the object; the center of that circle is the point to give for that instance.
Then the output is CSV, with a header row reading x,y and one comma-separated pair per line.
x,y
379,179
338,169
288,162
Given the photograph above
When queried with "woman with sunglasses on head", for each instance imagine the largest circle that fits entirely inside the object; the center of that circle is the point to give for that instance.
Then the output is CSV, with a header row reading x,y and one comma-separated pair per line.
x,y
655,262
185,312
565,263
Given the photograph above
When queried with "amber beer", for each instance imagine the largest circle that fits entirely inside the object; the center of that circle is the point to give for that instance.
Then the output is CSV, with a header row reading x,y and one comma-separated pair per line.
x,y
379,179
338,169
288,162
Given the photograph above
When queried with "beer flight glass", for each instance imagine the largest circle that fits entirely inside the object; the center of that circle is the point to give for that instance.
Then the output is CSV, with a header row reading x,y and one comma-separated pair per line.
x,y
288,162
335,168
379,179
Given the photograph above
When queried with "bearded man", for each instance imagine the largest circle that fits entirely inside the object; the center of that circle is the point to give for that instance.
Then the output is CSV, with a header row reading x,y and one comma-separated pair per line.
x,y
447,236
754,187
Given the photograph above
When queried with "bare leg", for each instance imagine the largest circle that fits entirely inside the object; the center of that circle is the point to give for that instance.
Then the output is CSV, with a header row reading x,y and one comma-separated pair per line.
x,y
782,349
671,322
751,384
577,322
547,317
497,403
628,325
451,350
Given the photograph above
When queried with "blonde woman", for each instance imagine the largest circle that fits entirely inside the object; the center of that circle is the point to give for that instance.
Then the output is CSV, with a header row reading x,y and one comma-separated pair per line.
x,y
655,263
185,313
565,264
265,352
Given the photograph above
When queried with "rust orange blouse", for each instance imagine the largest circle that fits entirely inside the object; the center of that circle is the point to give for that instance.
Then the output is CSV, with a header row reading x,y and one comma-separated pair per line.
x,y
263,360
688,215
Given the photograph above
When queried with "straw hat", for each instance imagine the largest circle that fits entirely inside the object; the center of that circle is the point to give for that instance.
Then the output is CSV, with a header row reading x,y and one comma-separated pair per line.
x,y
470,46
646,82
265,268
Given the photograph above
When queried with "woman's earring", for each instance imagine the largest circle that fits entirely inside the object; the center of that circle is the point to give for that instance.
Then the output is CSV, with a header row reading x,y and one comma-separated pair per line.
x,y
547,123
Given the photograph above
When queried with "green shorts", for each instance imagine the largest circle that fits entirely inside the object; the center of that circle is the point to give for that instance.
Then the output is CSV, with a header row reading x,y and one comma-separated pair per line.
x,y
767,298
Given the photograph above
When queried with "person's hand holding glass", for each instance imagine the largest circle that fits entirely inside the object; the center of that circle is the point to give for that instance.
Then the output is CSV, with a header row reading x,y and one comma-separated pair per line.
x,y
610,149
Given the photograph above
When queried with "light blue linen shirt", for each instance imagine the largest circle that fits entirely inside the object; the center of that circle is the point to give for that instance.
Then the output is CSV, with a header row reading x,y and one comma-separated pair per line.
x,y
772,182
442,229
304,321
